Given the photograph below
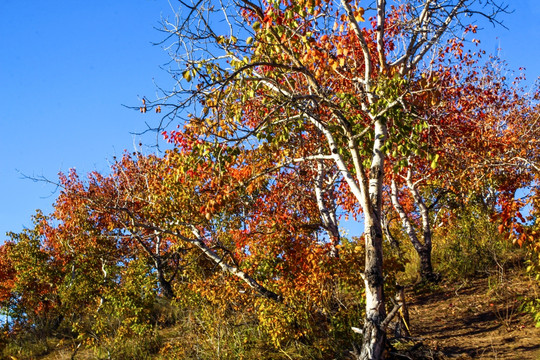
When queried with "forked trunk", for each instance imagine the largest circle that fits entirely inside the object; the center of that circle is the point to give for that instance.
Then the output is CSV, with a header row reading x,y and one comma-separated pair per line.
x,y
165,285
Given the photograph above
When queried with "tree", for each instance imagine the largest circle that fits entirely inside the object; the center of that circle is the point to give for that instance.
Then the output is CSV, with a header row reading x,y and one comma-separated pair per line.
x,y
519,214
29,292
75,274
192,213
474,140
79,210
280,75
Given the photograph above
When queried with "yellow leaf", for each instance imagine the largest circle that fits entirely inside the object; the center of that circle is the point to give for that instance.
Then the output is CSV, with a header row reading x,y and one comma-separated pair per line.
x,y
359,18
358,15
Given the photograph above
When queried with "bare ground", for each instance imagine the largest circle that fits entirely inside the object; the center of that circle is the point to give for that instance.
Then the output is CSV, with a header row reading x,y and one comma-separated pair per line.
x,y
475,319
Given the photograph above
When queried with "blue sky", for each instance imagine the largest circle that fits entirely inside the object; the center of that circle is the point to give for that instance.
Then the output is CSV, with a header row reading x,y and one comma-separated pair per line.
x,y
66,68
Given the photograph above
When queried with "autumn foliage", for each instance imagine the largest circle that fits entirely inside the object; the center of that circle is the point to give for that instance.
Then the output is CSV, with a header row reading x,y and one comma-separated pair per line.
x,y
311,112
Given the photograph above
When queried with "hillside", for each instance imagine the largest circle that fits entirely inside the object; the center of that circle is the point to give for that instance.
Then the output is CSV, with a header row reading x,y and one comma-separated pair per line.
x,y
478,318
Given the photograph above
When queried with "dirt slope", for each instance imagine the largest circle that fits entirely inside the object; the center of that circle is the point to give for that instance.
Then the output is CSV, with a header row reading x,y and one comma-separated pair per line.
x,y
477,319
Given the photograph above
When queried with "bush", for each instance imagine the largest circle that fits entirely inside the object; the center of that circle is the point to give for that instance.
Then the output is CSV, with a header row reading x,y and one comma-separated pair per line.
x,y
470,244
27,347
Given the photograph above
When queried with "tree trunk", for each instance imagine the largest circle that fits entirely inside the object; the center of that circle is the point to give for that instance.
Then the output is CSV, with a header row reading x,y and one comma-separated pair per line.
x,y
374,331
403,323
422,249
165,285
374,335
426,268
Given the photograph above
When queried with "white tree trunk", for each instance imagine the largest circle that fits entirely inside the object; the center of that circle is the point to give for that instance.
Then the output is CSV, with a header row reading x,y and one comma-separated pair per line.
x,y
374,332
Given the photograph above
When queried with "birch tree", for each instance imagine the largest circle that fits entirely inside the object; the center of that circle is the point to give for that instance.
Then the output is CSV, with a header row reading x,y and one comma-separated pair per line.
x,y
279,76
480,121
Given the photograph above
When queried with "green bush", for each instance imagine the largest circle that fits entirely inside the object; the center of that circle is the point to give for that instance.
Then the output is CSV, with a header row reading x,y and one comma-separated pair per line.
x,y
470,244
27,347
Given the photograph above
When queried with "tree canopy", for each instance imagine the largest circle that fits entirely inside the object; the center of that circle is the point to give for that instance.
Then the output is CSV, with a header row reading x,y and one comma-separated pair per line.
x,y
289,115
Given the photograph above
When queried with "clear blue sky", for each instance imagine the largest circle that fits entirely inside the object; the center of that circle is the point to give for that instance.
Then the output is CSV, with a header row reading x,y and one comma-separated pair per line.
x,y
66,68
